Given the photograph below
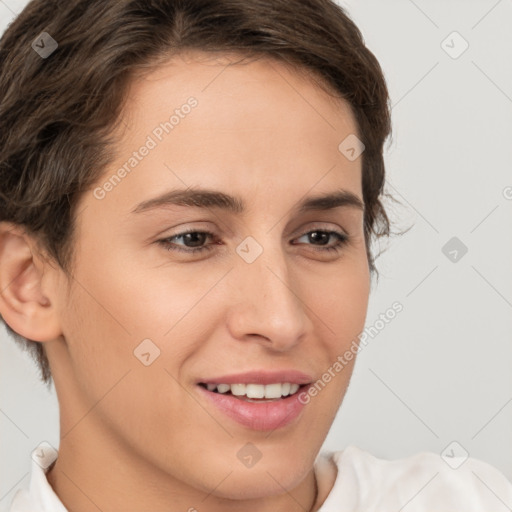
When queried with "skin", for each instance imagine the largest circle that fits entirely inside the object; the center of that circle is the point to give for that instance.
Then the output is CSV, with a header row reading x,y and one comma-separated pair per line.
x,y
137,437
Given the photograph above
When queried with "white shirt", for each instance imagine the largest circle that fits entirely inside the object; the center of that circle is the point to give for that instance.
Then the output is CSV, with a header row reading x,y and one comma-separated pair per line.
x,y
424,482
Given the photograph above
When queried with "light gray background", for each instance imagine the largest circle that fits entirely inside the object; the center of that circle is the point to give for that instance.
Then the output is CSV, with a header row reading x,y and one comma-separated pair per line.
x,y
441,370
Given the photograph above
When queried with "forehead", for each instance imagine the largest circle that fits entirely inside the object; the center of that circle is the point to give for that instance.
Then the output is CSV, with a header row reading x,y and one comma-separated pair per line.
x,y
235,80
257,126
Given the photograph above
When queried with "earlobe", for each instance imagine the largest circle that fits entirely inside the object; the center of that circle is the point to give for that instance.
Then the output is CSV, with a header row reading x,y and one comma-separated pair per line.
x,y
24,305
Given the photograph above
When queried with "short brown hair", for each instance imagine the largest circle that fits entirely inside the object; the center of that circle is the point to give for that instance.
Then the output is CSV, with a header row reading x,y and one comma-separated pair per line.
x,y
57,114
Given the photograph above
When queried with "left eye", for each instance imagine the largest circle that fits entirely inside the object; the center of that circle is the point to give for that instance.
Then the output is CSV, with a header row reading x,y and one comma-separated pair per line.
x,y
341,239
188,236
316,235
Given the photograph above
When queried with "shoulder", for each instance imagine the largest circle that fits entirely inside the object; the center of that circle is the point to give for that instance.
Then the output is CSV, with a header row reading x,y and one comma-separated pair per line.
x,y
418,483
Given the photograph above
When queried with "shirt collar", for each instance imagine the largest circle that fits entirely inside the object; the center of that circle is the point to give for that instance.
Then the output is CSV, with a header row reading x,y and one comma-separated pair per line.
x,y
40,496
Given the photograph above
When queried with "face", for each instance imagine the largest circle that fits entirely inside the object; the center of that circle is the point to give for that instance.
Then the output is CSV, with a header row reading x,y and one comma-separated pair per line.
x,y
267,282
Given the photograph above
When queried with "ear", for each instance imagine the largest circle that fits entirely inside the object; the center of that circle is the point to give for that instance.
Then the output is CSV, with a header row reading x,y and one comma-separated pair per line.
x,y
25,304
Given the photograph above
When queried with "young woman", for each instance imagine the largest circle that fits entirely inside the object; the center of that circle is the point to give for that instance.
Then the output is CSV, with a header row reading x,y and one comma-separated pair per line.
x,y
189,193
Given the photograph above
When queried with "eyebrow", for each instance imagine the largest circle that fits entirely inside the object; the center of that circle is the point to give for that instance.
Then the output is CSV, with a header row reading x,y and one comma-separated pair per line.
x,y
207,198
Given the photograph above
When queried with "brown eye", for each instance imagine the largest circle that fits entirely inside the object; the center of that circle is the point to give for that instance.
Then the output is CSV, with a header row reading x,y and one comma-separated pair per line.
x,y
322,236
188,237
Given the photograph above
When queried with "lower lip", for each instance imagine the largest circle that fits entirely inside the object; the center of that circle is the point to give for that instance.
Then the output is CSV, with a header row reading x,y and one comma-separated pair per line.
x,y
268,415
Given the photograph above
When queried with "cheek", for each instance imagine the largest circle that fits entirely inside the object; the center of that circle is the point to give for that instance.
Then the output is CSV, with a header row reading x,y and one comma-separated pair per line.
x,y
112,383
98,345
340,305
340,318
113,313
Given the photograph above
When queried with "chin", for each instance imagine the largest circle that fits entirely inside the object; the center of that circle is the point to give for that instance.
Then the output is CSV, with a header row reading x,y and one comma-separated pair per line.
x,y
256,484
267,477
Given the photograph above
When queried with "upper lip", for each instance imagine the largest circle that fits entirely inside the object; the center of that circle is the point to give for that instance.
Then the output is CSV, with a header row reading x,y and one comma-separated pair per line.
x,y
261,377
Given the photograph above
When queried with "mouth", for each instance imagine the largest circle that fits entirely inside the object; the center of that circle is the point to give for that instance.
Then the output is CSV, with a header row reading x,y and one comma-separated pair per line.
x,y
256,392
255,406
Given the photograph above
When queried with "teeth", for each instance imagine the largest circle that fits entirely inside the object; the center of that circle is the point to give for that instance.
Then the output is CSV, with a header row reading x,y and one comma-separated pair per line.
x,y
273,391
223,388
238,389
270,391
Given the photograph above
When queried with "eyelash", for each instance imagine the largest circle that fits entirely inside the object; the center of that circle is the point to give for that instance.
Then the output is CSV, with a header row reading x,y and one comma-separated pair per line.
x,y
343,239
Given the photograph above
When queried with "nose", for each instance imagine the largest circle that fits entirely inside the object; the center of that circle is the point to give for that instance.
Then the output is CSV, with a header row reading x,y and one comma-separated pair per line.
x,y
267,304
